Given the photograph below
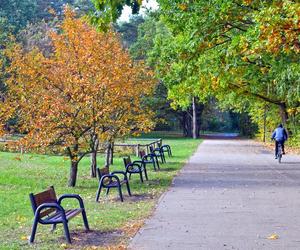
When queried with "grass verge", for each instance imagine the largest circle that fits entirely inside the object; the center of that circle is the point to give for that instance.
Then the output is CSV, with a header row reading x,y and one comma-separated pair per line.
x,y
111,221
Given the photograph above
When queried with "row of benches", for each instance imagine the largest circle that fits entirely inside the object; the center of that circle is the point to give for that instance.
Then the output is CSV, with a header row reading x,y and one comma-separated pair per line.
x,y
47,207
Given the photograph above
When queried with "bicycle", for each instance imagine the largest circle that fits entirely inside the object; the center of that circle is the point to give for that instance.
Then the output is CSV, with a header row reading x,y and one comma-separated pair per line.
x,y
279,153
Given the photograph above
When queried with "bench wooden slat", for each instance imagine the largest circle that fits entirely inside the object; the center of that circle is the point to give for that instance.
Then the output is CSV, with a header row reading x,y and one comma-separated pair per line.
x,y
104,171
53,212
142,153
127,160
69,214
48,196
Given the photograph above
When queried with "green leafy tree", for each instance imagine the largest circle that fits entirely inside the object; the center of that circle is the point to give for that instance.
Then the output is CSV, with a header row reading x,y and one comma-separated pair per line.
x,y
108,11
224,49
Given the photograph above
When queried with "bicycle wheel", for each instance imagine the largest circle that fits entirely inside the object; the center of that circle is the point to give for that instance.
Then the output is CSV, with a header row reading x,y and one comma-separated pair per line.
x,y
279,157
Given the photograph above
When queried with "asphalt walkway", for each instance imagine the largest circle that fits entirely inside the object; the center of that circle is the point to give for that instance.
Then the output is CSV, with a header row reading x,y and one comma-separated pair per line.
x,y
231,194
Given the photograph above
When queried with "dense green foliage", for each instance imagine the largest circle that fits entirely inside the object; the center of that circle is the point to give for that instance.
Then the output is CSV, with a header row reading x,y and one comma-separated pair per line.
x,y
152,33
111,10
244,53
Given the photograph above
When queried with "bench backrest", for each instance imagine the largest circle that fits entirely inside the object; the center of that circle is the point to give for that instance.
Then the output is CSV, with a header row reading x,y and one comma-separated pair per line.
x,y
142,153
47,196
127,160
102,171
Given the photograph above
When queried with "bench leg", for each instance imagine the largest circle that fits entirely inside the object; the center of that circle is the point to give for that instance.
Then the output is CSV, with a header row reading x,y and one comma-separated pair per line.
x,y
67,233
145,171
34,227
128,188
85,221
169,151
107,191
154,165
120,193
98,193
163,155
157,163
141,176
53,227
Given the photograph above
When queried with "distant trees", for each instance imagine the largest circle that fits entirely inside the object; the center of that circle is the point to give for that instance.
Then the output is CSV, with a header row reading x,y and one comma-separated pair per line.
x,y
88,89
140,36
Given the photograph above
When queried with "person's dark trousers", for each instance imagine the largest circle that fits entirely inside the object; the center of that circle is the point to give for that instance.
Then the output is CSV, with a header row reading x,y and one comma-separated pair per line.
x,y
276,146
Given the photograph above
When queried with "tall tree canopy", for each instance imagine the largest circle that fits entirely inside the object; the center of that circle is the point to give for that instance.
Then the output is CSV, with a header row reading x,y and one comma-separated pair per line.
x,y
246,53
88,86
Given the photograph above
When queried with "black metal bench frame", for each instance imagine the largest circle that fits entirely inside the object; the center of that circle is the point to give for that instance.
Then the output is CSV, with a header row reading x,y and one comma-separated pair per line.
x,y
166,148
135,167
111,180
47,210
149,159
158,152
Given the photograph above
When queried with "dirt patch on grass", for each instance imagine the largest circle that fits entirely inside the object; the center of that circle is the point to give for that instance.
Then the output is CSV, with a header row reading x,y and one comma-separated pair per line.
x,y
140,197
95,239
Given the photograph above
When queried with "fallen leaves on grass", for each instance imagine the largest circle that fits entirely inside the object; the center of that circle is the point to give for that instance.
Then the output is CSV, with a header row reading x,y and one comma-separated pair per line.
x,y
20,219
64,246
24,237
18,158
130,229
117,247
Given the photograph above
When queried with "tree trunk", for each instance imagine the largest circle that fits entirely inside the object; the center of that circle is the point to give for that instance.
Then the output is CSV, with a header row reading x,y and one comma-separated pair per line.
x,y
93,163
183,123
284,117
283,113
265,123
200,108
194,126
73,173
94,158
111,160
188,124
108,152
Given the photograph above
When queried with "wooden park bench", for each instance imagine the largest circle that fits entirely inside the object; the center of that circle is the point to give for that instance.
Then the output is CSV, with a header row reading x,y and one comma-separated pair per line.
x,y
159,153
111,180
47,209
167,149
149,159
135,167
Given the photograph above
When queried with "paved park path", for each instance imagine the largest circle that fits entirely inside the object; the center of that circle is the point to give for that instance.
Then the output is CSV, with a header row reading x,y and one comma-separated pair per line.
x,y
231,194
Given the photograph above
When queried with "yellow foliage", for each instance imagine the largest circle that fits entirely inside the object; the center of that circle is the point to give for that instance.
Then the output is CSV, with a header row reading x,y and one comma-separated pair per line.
x,y
183,6
88,85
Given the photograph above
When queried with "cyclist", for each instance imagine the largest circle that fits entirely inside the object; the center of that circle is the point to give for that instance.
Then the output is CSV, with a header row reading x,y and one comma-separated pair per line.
x,y
280,136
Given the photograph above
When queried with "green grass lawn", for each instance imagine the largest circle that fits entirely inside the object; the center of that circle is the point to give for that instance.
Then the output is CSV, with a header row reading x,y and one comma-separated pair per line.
x,y
112,222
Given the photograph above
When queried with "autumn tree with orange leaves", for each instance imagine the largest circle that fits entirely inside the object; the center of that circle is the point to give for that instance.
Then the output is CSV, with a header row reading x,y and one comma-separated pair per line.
x,y
88,88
